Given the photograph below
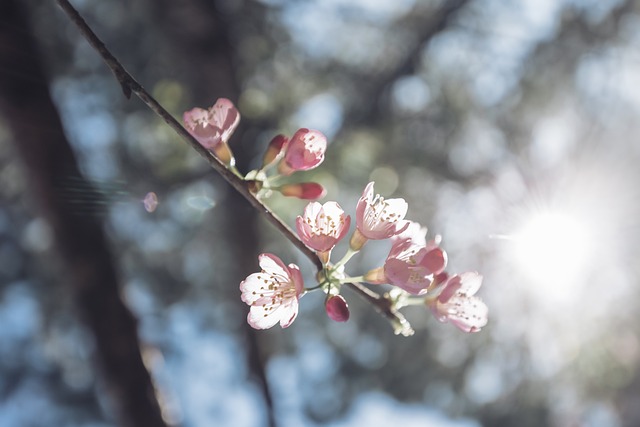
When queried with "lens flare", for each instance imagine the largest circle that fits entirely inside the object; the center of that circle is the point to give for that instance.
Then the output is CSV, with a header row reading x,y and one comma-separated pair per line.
x,y
554,250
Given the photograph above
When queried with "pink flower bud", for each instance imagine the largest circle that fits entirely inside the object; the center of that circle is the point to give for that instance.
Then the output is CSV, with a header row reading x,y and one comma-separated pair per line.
x,y
304,151
303,190
337,308
274,149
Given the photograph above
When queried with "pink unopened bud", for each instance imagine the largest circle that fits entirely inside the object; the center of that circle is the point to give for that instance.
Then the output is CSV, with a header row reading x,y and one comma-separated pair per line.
x,y
337,308
274,149
303,190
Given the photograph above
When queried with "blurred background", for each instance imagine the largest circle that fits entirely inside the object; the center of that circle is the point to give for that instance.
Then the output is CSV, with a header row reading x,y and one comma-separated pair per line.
x,y
509,127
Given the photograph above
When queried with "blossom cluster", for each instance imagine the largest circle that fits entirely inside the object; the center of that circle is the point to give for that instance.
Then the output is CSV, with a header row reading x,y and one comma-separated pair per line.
x,y
305,150
415,268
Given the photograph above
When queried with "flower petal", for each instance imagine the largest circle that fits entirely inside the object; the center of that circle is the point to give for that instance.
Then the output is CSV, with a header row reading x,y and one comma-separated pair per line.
x,y
225,116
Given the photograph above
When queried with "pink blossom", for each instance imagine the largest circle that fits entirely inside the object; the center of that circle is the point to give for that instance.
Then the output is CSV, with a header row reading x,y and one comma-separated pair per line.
x,y
272,293
453,301
322,226
337,308
212,128
412,267
224,116
414,231
304,151
196,121
377,218
303,190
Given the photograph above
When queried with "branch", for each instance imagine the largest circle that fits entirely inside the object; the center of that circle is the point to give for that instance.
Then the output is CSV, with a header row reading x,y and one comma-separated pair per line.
x,y
384,306
129,84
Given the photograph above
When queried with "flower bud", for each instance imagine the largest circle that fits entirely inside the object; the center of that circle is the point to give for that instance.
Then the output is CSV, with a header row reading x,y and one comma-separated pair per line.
x,y
303,190
337,308
274,149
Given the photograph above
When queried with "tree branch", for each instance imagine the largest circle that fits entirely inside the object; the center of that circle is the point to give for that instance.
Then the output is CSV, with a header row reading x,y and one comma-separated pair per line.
x,y
381,303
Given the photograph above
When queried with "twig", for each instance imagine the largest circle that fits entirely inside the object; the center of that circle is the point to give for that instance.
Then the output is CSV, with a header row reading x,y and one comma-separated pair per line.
x,y
129,84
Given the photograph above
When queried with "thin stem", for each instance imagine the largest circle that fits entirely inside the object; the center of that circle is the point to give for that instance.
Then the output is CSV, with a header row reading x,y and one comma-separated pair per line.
x,y
315,288
129,84
235,171
350,253
352,279
274,181
405,302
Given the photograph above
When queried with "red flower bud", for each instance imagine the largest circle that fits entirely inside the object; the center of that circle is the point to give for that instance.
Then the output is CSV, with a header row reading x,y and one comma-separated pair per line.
x,y
303,190
337,308
273,150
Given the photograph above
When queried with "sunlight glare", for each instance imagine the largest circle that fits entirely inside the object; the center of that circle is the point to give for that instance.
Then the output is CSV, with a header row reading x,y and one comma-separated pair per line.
x,y
554,250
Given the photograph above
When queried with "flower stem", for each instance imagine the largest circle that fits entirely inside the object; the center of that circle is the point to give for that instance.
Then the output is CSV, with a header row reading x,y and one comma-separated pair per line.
x,y
318,286
350,253
405,302
273,181
234,169
352,279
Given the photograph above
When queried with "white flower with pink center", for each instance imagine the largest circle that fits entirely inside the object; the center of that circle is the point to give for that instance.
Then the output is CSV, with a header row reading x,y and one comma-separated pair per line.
x,y
377,218
322,226
272,293
414,231
453,301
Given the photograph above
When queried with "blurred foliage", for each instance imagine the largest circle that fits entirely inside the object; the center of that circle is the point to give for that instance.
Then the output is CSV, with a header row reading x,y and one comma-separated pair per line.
x,y
475,112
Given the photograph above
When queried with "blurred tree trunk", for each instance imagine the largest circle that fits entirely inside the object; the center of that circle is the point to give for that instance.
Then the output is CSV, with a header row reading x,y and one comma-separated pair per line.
x,y
200,34
89,272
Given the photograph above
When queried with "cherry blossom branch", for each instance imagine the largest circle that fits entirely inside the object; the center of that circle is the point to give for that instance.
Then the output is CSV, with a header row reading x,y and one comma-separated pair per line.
x,y
246,188
129,84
